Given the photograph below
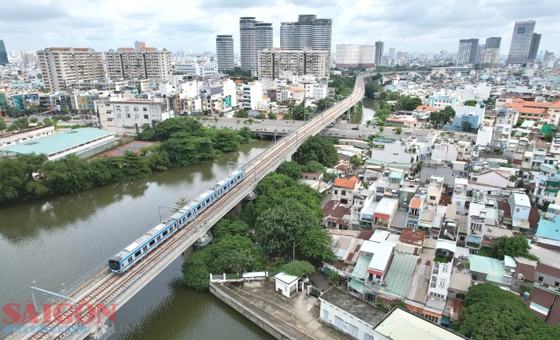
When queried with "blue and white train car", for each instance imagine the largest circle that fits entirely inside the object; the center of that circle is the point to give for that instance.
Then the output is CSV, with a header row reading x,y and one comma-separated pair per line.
x,y
135,251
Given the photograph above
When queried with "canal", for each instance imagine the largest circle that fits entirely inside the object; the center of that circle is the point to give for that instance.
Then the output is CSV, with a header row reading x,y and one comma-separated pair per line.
x,y
54,242
369,106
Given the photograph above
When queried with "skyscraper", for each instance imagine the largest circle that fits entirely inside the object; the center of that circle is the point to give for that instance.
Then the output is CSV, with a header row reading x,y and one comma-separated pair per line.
x,y
224,52
65,66
491,52
3,54
468,52
307,33
355,55
253,36
378,52
140,62
522,41
282,63
534,48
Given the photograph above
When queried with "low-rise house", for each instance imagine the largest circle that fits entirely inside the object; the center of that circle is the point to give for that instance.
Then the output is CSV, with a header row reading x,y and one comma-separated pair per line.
x,y
343,189
545,296
491,270
548,229
337,215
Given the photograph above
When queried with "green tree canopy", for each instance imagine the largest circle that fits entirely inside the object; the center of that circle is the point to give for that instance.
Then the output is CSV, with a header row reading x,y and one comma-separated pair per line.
x,y
290,169
496,314
230,227
242,113
313,166
3,125
279,229
232,254
513,246
298,268
470,102
318,149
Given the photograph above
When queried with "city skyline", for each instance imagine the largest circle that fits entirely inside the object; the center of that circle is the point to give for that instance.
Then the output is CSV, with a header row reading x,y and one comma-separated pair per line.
x,y
193,27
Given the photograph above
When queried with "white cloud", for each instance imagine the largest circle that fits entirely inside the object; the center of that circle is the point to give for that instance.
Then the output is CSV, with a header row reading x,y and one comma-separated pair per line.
x,y
192,25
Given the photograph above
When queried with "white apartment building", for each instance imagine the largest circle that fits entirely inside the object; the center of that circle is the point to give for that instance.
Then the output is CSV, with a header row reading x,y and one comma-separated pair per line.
x,y
128,116
252,95
64,66
316,90
138,63
283,64
196,68
348,55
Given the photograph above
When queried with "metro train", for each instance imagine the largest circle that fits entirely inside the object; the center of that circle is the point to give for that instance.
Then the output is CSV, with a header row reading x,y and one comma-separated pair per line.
x,y
135,251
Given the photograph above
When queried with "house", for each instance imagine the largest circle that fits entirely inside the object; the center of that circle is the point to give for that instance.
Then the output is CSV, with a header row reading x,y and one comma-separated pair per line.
x,y
385,212
491,270
548,229
343,189
286,284
491,178
350,315
520,209
337,215
545,296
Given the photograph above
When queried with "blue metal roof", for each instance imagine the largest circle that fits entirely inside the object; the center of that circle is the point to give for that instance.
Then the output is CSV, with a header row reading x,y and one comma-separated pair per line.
x,y
58,142
549,228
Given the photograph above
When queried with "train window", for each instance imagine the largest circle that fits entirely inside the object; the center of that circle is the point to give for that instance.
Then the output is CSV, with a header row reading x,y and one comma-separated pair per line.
x,y
159,237
145,248
129,260
152,242
165,233
173,225
137,253
208,200
189,214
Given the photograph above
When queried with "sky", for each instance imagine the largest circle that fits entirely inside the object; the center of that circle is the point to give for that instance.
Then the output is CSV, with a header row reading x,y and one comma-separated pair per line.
x,y
191,25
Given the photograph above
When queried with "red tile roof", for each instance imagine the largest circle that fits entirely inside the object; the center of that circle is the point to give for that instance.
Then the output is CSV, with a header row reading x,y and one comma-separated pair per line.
x,y
410,236
348,183
527,270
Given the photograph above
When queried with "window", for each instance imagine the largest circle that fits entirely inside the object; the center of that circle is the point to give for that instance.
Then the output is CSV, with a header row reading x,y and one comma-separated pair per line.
x,y
338,322
152,242
353,330
137,253
541,279
145,109
165,232
556,284
146,117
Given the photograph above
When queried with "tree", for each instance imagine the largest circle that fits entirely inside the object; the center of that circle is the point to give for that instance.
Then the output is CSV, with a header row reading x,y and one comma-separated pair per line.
x,y
493,313
408,103
290,169
33,120
272,115
242,113
261,115
3,125
442,117
318,149
313,166
315,245
470,103
356,161
512,246
279,229
323,104
298,268
398,130
230,254
230,227
19,124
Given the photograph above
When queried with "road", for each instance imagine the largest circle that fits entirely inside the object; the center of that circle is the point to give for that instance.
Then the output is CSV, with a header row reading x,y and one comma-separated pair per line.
x,y
107,289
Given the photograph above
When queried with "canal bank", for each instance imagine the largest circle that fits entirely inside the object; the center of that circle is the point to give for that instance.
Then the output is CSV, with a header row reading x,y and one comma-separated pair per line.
x,y
296,317
55,241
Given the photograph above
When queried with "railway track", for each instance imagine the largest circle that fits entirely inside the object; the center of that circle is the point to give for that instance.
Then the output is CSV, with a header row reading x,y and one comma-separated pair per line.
x,y
105,291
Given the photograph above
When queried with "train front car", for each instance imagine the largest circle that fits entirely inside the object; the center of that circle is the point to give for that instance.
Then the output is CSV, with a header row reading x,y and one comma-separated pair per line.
x,y
115,264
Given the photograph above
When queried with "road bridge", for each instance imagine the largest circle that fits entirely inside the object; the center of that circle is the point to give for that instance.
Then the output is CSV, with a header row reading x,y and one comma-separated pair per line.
x,y
105,288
